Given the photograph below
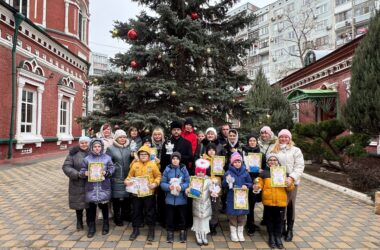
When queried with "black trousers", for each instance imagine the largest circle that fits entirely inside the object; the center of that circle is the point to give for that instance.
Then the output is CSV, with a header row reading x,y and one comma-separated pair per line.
x,y
141,204
252,199
121,208
176,217
274,219
161,206
92,211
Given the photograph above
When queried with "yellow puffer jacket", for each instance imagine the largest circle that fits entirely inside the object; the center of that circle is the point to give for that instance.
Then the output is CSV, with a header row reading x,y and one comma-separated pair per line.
x,y
149,168
272,196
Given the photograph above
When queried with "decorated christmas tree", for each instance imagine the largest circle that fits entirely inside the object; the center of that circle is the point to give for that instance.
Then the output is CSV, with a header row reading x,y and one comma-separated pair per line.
x,y
182,63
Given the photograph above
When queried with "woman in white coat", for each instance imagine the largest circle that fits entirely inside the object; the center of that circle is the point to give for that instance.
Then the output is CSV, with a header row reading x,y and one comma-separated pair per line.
x,y
290,156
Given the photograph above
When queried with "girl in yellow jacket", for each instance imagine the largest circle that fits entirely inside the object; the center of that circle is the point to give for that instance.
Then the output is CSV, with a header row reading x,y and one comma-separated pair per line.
x,y
274,200
144,167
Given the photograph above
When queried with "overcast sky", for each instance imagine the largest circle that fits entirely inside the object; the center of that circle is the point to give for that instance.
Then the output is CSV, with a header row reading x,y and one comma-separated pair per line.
x,y
104,12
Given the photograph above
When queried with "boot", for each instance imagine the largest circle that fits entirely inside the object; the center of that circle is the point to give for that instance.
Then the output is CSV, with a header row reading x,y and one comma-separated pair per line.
x,y
251,230
183,236
277,235
204,239
240,232
234,236
284,228
150,233
91,229
106,227
135,233
79,219
271,242
169,236
198,237
117,217
213,229
289,233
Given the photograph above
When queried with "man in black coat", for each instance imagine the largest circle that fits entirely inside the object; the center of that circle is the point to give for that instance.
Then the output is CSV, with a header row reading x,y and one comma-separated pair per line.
x,y
175,144
223,134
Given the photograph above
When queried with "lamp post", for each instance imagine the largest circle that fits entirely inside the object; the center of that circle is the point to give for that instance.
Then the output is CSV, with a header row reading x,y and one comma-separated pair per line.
x,y
18,20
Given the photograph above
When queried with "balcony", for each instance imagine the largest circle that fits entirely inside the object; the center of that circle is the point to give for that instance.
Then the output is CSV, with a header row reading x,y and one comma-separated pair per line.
x,y
343,7
342,24
363,18
264,50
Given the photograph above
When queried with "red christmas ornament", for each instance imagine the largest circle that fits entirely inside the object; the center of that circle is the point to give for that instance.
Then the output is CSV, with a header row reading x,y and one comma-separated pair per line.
x,y
241,88
194,15
132,34
134,64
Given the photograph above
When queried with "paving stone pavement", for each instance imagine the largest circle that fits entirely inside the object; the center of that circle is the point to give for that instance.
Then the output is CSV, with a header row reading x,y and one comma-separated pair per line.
x,y
34,214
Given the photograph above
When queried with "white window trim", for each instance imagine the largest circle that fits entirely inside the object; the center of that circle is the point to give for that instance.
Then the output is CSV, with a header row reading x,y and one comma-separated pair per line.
x,y
27,77
65,91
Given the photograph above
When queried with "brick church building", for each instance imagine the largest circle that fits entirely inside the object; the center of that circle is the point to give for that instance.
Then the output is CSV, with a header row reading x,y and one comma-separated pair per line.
x,y
50,53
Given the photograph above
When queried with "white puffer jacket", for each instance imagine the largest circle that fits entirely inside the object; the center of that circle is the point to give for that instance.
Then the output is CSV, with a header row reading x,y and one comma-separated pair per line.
x,y
292,158
202,207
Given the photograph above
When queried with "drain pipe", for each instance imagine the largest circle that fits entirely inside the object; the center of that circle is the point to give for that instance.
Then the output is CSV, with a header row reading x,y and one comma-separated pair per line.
x,y
18,20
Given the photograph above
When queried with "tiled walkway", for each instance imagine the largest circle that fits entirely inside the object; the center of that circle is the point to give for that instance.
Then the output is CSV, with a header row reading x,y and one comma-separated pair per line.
x,y
34,214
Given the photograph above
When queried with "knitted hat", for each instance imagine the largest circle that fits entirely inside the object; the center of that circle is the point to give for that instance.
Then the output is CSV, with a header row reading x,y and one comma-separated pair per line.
x,y
175,154
212,130
119,133
210,146
285,132
272,155
235,157
251,136
201,165
147,139
175,124
84,138
188,121
266,129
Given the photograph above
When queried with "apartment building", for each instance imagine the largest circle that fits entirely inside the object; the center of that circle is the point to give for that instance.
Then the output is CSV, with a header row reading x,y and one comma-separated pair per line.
x,y
287,29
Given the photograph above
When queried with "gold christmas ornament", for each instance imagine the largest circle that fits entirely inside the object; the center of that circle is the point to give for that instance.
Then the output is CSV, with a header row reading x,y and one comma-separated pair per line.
x,y
191,109
146,131
173,93
171,65
208,50
115,32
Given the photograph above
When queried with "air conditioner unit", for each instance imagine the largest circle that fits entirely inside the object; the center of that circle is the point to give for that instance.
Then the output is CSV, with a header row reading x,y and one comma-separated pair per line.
x,y
271,40
274,59
328,27
279,15
315,17
348,23
273,19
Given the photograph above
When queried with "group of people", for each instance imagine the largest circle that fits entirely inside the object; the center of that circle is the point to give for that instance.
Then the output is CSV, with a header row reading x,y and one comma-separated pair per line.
x,y
167,165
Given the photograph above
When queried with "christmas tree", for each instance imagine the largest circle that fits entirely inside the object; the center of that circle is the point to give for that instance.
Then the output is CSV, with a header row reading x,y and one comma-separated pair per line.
x,y
182,59
265,105
362,110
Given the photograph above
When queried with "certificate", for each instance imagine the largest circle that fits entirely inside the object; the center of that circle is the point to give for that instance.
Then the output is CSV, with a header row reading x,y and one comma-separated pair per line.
x,y
217,165
196,187
253,162
240,198
278,176
142,183
95,172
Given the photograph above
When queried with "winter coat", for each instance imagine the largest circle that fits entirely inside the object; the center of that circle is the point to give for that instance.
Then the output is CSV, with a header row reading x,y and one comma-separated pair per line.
x,y
149,168
241,177
202,206
121,157
201,149
292,158
273,196
175,172
182,146
191,137
71,167
97,192
222,140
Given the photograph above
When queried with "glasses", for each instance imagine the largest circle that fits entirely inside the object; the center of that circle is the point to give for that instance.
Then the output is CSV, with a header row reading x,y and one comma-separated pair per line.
x,y
142,154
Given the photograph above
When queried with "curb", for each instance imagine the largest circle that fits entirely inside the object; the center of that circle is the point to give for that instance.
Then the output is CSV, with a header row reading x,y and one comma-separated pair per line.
x,y
355,194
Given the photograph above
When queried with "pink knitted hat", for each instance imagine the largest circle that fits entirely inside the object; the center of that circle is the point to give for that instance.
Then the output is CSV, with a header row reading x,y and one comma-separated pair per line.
x,y
266,129
235,157
285,132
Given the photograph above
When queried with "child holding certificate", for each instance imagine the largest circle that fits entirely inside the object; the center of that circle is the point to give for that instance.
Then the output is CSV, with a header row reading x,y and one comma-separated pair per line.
x,y
98,168
202,205
274,198
238,182
145,174
174,182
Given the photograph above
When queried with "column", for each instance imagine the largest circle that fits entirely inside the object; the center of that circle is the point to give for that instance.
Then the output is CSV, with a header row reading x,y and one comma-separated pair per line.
x,y
60,96
44,14
20,87
71,116
40,90
66,16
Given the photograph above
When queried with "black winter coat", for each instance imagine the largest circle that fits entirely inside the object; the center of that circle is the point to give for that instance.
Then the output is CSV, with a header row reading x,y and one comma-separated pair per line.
x,y
71,167
121,158
180,145
201,148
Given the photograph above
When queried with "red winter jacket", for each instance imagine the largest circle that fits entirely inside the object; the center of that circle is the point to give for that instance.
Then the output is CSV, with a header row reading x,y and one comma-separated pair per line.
x,y
191,137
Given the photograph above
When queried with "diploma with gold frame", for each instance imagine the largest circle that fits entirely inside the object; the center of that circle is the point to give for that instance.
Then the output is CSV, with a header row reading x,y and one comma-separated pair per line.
x,y
217,165
142,183
196,187
95,171
253,162
278,176
240,198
